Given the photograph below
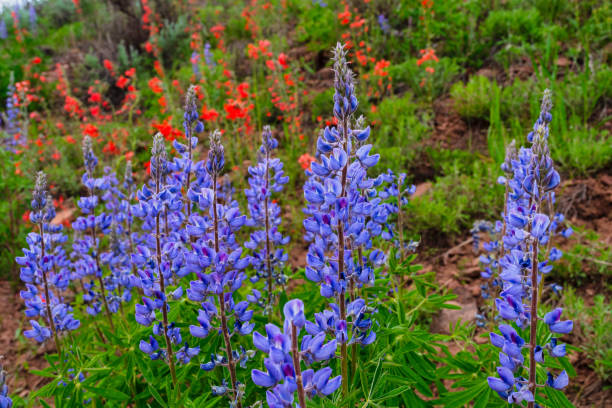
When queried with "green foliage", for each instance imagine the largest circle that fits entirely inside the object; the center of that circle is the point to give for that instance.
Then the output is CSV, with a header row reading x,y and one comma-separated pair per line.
x,y
318,27
399,139
12,228
594,334
433,85
472,100
173,42
456,198
401,370
512,26
587,260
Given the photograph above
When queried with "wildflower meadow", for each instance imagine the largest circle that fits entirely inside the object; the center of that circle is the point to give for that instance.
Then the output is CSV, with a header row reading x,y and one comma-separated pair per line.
x,y
305,203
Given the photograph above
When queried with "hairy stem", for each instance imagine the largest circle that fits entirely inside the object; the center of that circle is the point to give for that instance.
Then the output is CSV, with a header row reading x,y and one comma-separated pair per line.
x,y
267,225
231,364
295,352
47,298
162,287
534,321
400,227
341,273
99,269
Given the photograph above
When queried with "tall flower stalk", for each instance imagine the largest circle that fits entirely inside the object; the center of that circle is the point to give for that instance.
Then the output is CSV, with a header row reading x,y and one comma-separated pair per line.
x,y
534,179
214,248
344,215
267,177
284,376
156,277
92,222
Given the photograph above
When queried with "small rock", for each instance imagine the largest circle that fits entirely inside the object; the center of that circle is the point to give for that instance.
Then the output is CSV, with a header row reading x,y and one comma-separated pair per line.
x,y
421,189
447,317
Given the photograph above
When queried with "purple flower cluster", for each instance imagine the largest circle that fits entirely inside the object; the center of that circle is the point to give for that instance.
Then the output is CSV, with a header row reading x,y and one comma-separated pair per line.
x,y
284,375
10,117
216,259
531,180
32,17
344,214
45,270
86,245
396,194
266,241
3,31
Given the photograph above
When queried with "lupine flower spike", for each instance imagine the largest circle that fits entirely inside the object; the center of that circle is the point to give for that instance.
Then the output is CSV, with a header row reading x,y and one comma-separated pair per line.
x,y
43,266
534,179
91,224
267,177
284,376
215,249
154,280
344,214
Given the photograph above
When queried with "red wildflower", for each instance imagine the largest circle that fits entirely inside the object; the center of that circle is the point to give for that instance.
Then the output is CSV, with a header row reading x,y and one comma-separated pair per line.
x,y
427,55
234,110
379,68
122,82
110,148
282,59
345,16
156,85
305,160
36,60
91,130
242,90
108,65
209,114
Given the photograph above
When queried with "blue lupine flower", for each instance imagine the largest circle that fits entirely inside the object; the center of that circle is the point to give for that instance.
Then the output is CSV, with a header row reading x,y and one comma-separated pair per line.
x,y
558,383
383,23
266,242
32,16
158,208
208,56
396,194
45,271
344,212
217,261
3,32
283,371
86,250
530,179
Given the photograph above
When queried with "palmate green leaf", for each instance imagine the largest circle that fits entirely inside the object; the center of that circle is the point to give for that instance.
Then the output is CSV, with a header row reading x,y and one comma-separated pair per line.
x,y
558,398
109,394
456,399
483,399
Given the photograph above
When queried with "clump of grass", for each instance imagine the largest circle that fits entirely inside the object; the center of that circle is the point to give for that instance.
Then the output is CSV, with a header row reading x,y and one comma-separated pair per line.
x,y
472,100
